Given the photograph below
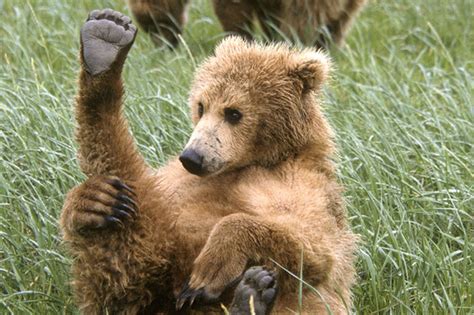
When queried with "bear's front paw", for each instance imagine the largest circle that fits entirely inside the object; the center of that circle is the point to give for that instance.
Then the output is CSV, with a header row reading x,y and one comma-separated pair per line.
x,y
214,271
106,38
101,202
258,284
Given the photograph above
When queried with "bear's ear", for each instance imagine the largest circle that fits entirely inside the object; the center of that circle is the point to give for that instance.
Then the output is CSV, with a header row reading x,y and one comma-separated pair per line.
x,y
311,68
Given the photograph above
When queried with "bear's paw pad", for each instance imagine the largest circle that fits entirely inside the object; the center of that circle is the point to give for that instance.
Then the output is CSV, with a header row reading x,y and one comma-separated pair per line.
x,y
258,284
104,36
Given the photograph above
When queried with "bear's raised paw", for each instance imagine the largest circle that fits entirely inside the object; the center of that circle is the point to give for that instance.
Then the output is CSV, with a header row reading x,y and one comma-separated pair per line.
x,y
106,38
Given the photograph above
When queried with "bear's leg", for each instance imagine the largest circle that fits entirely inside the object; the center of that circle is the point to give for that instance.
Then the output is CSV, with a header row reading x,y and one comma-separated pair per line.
x,y
239,239
339,28
236,16
92,221
105,144
336,33
115,258
269,18
257,284
162,19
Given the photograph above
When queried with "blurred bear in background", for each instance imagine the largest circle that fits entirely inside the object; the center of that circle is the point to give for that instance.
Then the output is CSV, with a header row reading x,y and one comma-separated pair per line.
x,y
313,22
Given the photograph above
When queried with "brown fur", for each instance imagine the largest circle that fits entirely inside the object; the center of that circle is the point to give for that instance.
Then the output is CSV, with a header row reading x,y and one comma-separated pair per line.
x,y
162,19
301,18
275,199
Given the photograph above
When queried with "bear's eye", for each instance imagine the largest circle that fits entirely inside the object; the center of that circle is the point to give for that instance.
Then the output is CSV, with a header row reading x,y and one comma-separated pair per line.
x,y
200,109
232,115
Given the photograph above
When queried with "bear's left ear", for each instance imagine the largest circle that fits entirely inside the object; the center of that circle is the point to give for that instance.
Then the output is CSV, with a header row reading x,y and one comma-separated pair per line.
x,y
311,68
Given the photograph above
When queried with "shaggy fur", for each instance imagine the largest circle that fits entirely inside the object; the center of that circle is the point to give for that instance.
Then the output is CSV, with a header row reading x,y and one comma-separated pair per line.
x,y
275,198
162,19
301,18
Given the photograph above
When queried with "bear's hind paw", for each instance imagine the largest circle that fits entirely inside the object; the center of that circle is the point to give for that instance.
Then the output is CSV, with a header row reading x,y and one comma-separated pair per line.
x,y
259,284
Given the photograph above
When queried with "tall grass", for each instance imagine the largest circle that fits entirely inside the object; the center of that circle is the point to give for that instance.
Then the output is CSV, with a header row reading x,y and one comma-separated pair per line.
x,y
400,101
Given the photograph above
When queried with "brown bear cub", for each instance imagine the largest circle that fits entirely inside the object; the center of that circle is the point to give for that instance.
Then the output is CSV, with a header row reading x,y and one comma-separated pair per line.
x,y
304,19
255,186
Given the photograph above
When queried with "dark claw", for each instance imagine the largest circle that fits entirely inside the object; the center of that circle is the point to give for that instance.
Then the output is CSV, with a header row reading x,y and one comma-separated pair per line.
x,y
121,214
188,297
126,199
185,286
179,304
194,296
125,207
111,220
121,186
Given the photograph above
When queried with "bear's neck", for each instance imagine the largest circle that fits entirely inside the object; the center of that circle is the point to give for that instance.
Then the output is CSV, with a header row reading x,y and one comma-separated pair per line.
x,y
315,156
318,157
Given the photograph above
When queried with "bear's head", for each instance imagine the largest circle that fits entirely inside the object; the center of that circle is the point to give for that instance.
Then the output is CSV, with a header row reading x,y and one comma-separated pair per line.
x,y
255,104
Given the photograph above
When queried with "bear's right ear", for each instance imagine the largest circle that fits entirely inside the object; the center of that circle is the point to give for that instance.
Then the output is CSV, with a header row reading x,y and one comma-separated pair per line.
x,y
311,68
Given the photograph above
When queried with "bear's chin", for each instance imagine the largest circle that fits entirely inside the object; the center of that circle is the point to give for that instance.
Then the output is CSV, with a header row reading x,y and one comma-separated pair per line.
x,y
203,172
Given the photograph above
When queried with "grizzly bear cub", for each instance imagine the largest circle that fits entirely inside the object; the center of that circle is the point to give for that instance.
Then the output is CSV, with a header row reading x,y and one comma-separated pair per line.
x,y
255,186
304,19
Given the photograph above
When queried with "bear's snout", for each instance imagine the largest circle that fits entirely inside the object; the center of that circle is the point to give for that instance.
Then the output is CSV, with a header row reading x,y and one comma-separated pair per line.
x,y
192,161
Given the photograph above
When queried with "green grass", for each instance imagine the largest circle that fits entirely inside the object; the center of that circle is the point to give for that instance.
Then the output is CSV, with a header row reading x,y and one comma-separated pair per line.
x,y
401,102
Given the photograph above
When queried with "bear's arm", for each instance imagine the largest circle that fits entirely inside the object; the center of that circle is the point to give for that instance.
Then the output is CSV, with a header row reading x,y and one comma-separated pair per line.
x,y
240,239
106,146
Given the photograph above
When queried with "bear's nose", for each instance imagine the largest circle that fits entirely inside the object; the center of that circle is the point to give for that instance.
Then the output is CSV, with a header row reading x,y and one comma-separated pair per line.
x,y
192,161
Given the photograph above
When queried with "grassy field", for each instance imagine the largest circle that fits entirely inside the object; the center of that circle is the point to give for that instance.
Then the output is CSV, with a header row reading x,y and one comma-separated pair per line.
x,y
401,102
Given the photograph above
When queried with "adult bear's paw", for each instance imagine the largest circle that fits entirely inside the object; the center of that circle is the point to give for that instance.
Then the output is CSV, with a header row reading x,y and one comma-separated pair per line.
x,y
106,38
214,271
259,284
101,202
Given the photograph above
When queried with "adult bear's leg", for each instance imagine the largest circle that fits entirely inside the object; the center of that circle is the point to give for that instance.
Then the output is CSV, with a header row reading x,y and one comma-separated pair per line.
x,y
269,16
162,19
339,28
236,16
106,146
